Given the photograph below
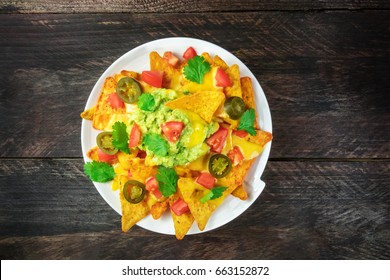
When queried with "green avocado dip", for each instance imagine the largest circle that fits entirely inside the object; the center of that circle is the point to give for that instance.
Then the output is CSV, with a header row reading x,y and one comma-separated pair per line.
x,y
189,146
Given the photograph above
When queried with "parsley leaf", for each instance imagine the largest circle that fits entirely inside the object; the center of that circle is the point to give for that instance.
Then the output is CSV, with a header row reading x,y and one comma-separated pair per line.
x,y
99,171
247,122
120,137
146,102
196,68
155,143
167,180
214,193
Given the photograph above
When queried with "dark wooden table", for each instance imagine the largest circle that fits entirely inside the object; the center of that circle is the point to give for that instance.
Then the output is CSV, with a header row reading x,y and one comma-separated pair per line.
x,y
324,67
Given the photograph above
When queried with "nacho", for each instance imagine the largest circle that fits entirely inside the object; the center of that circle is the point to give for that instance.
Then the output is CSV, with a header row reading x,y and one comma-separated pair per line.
x,y
185,119
203,103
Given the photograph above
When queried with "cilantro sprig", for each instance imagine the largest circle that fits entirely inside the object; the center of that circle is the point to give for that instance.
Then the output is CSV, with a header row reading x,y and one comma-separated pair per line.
x,y
247,121
99,171
155,143
146,102
167,180
214,193
196,68
120,137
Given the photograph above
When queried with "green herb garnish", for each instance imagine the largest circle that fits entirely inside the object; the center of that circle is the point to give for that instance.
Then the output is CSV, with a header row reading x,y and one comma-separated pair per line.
x,y
167,180
247,121
146,102
214,193
155,143
120,137
196,68
99,171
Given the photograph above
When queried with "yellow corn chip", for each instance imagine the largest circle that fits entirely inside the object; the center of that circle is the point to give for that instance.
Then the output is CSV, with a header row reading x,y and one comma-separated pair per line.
x,y
240,192
208,58
132,213
156,207
119,181
104,111
236,176
181,223
139,171
192,193
234,74
220,63
261,138
204,103
93,153
172,76
88,114
248,95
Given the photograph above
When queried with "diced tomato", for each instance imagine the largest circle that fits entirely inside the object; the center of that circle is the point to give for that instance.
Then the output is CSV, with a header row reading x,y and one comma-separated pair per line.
x,y
206,180
115,101
180,207
135,136
189,53
235,155
240,133
172,130
141,154
171,58
110,159
153,78
151,185
222,79
217,140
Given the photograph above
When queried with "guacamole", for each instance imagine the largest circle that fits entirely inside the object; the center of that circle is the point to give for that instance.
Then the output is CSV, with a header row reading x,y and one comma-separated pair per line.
x,y
190,144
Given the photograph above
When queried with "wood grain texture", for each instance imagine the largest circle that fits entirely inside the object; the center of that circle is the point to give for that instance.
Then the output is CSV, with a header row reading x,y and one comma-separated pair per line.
x,y
324,75
165,6
309,210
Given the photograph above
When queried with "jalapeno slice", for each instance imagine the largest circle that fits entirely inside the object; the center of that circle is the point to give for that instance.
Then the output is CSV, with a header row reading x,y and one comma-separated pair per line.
x,y
104,142
219,165
134,191
235,107
128,90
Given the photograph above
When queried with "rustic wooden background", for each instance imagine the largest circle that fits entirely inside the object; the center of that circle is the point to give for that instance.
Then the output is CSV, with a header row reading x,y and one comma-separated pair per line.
x,y
324,66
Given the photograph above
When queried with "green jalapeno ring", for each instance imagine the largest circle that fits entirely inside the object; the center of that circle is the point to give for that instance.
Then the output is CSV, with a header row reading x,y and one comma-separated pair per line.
x,y
219,165
235,107
104,142
134,191
128,90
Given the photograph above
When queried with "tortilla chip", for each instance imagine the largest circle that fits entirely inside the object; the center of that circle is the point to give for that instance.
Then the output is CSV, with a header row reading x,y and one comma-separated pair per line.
x,y
220,63
88,114
234,74
156,207
204,103
181,223
132,213
248,95
139,171
172,76
240,192
93,153
261,138
192,193
119,181
104,111
207,58
236,176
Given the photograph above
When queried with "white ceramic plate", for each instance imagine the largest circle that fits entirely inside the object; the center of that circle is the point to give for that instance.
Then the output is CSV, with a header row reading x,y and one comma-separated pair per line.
x,y
137,60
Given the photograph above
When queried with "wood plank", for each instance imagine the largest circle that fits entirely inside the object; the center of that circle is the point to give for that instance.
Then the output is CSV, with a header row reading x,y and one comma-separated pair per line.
x,y
309,210
323,75
165,6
